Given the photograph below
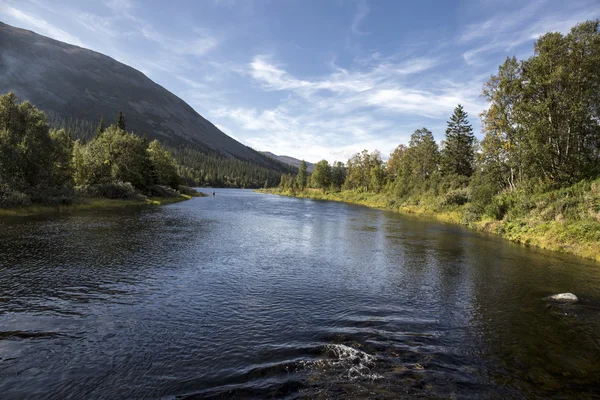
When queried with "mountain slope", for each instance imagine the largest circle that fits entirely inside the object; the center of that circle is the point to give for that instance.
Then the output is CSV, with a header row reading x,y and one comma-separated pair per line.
x,y
72,82
289,160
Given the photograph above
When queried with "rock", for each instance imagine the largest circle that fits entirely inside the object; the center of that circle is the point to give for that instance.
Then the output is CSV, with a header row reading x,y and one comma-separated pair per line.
x,y
569,297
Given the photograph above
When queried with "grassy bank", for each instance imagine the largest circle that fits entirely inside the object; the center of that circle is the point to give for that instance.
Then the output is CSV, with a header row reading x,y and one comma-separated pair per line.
x,y
565,220
94,204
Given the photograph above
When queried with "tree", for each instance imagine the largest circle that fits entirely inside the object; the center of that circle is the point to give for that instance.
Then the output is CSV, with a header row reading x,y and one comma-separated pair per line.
x,y
365,171
116,156
164,169
25,145
121,121
302,175
338,175
423,154
545,110
321,175
457,156
395,162
100,128
62,157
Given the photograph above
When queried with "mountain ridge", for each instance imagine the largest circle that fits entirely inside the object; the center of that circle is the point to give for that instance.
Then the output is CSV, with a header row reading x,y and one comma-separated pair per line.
x,y
70,81
289,160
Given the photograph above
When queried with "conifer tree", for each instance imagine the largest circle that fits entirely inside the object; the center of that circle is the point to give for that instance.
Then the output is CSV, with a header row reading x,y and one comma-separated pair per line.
x,y
457,155
100,128
121,121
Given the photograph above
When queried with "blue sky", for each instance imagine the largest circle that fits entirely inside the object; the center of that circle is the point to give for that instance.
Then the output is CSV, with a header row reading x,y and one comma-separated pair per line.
x,y
311,79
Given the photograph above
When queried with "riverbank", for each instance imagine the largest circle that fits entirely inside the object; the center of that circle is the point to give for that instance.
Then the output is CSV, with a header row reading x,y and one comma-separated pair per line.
x,y
79,204
567,220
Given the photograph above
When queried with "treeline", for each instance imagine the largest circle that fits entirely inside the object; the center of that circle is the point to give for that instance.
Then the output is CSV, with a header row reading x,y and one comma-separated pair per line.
x,y
199,168
43,165
197,165
541,134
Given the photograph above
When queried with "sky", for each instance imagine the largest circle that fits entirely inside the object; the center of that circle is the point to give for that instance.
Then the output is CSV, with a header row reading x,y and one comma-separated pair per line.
x,y
311,79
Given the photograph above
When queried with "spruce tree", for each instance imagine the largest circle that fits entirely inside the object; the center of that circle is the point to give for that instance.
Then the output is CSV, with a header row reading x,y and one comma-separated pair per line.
x,y
100,127
121,121
457,156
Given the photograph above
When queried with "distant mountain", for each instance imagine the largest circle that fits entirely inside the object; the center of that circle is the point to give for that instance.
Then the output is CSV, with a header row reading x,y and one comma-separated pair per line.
x,y
289,160
71,82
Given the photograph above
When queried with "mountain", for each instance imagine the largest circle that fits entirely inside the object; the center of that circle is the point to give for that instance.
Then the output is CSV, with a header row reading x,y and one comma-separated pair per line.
x,y
289,160
69,82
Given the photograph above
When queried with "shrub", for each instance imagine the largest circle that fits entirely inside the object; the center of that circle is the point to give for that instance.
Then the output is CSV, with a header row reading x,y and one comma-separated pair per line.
x,y
162,191
471,214
500,205
53,195
12,198
118,190
187,191
456,197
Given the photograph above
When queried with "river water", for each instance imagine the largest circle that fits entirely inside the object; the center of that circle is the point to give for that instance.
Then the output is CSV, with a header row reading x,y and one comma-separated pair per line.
x,y
248,295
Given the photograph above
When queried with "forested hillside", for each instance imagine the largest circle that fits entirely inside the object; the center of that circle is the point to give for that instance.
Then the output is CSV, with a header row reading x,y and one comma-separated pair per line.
x,y
76,87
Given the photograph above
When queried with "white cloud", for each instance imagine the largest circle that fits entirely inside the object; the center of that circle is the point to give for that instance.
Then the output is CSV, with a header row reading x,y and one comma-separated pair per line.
x,y
506,31
39,25
335,115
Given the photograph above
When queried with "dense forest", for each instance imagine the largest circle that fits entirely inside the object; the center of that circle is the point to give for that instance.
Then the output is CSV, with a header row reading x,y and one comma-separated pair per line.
x,y
47,166
536,168
200,168
197,165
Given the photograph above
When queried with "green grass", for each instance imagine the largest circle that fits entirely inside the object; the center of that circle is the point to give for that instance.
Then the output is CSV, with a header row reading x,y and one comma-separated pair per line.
x,y
566,220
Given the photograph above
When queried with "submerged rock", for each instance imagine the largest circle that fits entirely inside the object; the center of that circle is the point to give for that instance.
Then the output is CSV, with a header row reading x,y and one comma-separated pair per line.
x,y
570,297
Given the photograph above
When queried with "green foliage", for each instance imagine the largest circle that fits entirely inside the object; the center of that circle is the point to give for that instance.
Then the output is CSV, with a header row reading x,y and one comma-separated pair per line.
x,y
302,177
202,168
338,175
111,190
164,168
25,144
365,171
62,157
457,156
456,197
543,115
321,176
39,165
116,156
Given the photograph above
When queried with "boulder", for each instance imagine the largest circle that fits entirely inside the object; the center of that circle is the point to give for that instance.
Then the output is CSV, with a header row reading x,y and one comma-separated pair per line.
x,y
567,297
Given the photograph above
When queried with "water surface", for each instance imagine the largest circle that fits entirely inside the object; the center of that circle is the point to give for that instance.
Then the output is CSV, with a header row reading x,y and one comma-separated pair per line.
x,y
257,296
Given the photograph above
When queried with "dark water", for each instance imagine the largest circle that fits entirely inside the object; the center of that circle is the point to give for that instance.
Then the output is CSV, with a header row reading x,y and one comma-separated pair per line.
x,y
257,296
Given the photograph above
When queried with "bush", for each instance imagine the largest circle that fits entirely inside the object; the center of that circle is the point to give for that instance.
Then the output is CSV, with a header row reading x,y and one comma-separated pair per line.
x,y
12,198
500,205
456,197
162,191
187,191
58,195
471,214
119,190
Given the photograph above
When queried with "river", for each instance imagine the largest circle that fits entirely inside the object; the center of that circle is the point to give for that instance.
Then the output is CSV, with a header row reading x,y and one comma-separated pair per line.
x,y
249,295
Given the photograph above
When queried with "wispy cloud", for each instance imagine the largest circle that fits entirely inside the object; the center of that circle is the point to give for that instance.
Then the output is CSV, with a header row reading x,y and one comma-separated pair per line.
x,y
198,46
39,25
507,31
362,11
337,114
